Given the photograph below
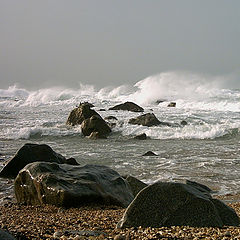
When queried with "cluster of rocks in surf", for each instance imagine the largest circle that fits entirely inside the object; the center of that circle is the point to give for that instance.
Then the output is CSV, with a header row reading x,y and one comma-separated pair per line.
x,y
94,126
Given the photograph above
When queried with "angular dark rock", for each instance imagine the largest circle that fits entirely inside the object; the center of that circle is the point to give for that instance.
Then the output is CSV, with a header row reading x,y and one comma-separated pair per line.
x,y
128,106
95,124
149,153
142,136
81,113
176,204
31,153
148,119
135,184
200,187
71,186
71,161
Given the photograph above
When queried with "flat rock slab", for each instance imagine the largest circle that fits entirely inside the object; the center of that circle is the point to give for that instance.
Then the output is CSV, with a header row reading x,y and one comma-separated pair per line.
x,y
71,186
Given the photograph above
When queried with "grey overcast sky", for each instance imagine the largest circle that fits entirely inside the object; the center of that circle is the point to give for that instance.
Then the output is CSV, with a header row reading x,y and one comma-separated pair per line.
x,y
104,42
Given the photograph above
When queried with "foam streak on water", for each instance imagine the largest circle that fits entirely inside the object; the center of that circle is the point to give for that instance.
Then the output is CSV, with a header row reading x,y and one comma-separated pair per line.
x,y
205,150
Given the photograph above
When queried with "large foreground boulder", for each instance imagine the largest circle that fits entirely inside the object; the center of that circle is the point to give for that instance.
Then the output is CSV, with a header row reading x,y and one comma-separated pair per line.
x,y
148,119
81,113
6,236
95,124
176,204
128,106
71,186
32,153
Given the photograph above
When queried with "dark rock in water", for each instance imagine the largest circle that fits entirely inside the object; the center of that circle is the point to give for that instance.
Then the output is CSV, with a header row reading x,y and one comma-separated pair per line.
x,y
95,124
149,153
71,186
128,106
184,123
159,101
31,153
81,113
97,135
71,161
176,204
86,104
111,118
6,236
135,184
148,119
102,110
199,186
142,136
172,104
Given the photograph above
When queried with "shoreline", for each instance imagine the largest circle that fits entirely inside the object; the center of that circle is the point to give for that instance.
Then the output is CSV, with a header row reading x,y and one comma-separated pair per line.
x,y
98,222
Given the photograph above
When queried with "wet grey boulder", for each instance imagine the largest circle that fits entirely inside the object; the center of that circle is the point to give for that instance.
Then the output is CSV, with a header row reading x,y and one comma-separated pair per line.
x,y
71,186
32,153
81,113
176,204
148,119
135,184
95,124
128,106
202,188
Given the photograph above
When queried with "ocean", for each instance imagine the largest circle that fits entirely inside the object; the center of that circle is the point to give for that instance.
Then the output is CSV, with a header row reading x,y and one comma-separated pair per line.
x,y
205,150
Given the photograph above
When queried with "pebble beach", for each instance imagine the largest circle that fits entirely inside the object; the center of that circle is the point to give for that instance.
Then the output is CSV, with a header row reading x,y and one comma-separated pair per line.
x,y
95,222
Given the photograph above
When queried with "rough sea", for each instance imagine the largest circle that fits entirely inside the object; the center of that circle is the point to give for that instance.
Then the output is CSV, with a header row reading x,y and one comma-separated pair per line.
x,y
206,150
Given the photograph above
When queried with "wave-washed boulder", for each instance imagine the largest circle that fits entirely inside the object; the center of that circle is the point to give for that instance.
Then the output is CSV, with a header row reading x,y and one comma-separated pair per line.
x,y
71,186
81,113
177,204
128,106
95,124
29,153
148,119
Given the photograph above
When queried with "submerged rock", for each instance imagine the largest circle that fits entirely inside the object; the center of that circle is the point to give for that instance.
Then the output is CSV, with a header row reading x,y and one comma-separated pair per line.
x,y
142,136
81,113
128,106
176,204
148,119
95,124
149,153
71,186
32,153
184,123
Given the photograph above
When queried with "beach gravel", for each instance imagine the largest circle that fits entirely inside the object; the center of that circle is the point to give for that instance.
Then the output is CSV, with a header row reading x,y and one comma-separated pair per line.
x,y
50,222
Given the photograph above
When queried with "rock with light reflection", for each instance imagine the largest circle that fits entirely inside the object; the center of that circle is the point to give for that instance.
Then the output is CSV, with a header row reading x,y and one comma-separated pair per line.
x,y
71,186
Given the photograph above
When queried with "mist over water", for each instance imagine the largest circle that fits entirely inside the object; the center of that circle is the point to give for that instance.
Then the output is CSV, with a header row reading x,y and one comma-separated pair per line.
x,y
205,150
